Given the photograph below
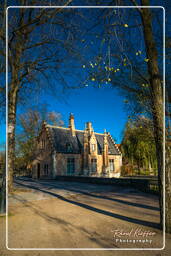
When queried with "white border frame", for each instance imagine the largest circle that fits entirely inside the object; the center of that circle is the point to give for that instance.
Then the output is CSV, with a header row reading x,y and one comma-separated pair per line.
x,y
85,249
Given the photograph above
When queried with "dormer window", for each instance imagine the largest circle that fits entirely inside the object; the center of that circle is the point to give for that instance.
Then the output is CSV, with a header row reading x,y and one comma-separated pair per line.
x,y
68,148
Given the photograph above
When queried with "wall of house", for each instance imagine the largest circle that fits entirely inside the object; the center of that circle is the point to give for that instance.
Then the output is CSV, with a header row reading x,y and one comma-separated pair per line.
x,y
117,166
99,165
61,163
43,157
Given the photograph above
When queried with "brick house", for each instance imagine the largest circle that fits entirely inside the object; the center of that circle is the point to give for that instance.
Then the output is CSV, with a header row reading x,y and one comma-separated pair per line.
x,y
68,151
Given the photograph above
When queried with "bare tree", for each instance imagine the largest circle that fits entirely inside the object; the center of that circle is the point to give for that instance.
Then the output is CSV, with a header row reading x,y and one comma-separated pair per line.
x,y
30,124
39,40
142,78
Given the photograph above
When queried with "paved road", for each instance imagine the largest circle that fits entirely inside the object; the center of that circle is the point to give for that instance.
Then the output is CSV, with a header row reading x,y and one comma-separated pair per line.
x,y
42,187
58,214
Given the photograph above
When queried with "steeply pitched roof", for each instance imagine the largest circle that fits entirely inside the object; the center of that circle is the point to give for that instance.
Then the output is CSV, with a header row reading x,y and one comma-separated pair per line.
x,y
61,137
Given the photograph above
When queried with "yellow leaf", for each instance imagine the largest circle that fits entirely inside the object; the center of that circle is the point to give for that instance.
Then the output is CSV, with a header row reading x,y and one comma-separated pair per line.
x,y
146,60
93,79
138,52
125,25
109,79
83,66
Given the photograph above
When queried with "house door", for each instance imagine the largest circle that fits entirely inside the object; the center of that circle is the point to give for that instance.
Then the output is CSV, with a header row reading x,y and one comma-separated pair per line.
x,y
38,170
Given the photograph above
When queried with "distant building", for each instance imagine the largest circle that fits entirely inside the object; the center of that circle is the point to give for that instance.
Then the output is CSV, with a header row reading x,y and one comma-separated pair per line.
x,y
68,151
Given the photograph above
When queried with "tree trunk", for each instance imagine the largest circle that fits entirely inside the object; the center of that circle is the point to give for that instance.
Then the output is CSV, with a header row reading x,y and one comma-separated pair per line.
x,y
168,187
168,164
11,135
3,192
156,95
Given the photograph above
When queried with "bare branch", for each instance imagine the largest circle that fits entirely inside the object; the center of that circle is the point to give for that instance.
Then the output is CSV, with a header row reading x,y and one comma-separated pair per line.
x,y
136,4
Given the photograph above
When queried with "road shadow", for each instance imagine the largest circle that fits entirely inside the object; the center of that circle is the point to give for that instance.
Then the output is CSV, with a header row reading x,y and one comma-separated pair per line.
x,y
111,199
140,205
67,226
97,210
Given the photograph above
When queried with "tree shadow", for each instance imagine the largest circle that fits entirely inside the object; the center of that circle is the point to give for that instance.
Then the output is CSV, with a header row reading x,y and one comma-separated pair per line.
x,y
67,226
100,196
111,199
97,210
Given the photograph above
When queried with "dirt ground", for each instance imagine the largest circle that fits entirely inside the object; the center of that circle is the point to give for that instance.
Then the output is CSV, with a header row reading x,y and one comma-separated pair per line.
x,y
51,214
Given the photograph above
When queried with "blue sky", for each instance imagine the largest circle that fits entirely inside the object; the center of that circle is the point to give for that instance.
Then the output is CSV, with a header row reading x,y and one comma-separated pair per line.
x,y
103,107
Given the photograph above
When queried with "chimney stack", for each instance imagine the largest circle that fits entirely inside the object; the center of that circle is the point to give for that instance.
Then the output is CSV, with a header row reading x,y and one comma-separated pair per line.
x,y
89,127
71,124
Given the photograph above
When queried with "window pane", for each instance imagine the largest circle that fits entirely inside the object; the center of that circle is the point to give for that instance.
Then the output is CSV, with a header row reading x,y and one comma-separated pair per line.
x,y
93,147
111,164
93,165
70,165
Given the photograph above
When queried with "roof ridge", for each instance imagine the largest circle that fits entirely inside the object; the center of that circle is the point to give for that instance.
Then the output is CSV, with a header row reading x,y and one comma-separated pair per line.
x,y
55,126
99,133
60,127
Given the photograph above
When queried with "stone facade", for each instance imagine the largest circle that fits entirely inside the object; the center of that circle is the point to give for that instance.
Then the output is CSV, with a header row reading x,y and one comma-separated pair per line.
x,y
68,151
